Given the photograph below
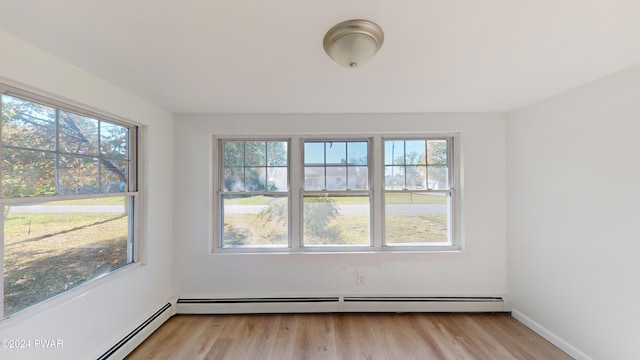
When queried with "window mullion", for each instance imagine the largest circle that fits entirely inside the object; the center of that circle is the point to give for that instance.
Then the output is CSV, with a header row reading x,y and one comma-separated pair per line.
x,y
99,158
296,174
376,188
57,154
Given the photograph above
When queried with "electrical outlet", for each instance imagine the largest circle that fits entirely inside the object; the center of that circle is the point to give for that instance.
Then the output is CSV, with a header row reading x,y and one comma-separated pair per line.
x,y
359,278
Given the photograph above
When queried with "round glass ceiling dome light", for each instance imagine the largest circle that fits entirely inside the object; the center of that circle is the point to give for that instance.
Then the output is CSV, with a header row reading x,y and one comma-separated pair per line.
x,y
353,43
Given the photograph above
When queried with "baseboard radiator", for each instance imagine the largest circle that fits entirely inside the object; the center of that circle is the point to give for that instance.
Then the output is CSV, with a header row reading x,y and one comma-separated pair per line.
x,y
128,343
340,304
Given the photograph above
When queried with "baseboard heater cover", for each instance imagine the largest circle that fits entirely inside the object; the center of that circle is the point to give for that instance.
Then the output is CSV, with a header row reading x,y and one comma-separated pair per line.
x,y
340,304
423,304
258,305
259,300
138,335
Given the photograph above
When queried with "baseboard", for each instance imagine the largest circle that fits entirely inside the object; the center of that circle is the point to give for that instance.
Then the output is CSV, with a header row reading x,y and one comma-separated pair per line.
x,y
134,338
310,304
423,304
550,336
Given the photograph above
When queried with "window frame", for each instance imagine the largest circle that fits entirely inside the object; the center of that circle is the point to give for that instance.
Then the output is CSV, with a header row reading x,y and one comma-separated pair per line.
x,y
296,194
219,192
326,192
453,210
131,194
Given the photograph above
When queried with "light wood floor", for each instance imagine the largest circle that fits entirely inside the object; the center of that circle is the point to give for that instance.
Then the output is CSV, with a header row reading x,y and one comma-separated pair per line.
x,y
346,336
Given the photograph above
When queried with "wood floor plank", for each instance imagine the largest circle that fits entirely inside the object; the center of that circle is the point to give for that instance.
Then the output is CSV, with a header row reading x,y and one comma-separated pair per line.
x,y
315,337
482,340
236,332
168,336
284,344
345,337
200,339
385,345
262,336
354,338
522,340
451,343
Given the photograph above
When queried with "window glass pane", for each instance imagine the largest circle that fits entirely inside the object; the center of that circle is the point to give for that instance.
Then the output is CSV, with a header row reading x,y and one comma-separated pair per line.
x,y
233,153
255,221
255,166
277,179
313,178
394,177
113,176
438,177
313,153
416,218
27,173
358,177
27,124
77,175
255,178
336,178
437,152
55,246
336,153
416,178
233,179
393,152
277,153
114,141
357,153
330,176
255,153
336,220
415,152
78,134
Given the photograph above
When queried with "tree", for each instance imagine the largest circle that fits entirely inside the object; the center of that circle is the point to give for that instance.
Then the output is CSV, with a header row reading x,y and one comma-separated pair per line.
x,y
89,155
319,212
252,165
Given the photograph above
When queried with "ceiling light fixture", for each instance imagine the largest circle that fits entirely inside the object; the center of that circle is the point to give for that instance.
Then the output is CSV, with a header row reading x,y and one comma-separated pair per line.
x,y
353,43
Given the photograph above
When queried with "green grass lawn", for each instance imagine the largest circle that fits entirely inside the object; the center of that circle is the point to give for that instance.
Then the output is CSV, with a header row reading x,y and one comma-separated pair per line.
x,y
251,230
404,229
47,254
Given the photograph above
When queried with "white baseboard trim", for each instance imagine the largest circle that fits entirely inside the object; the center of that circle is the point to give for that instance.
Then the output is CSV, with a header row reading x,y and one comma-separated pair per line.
x,y
550,336
134,338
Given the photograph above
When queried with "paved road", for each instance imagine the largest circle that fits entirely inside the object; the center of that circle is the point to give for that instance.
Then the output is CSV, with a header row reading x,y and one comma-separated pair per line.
x,y
353,209
31,209
349,209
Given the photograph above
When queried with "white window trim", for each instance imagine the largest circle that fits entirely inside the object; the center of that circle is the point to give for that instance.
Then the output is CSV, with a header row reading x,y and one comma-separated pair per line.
x,y
296,191
303,192
454,189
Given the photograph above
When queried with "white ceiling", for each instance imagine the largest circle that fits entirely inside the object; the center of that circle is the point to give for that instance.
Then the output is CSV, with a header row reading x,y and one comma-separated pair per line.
x,y
260,56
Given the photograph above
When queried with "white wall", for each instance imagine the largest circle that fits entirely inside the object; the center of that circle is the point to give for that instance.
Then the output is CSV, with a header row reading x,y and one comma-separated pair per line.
x,y
479,270
91,322
574,217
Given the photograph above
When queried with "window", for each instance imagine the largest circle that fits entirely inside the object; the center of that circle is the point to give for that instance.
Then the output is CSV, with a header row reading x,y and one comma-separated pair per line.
x,y
68,190
335,194
254,196
417,192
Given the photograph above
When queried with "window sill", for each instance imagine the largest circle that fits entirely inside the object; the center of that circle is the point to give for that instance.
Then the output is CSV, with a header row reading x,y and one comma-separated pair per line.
x,y
334,251
67,296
